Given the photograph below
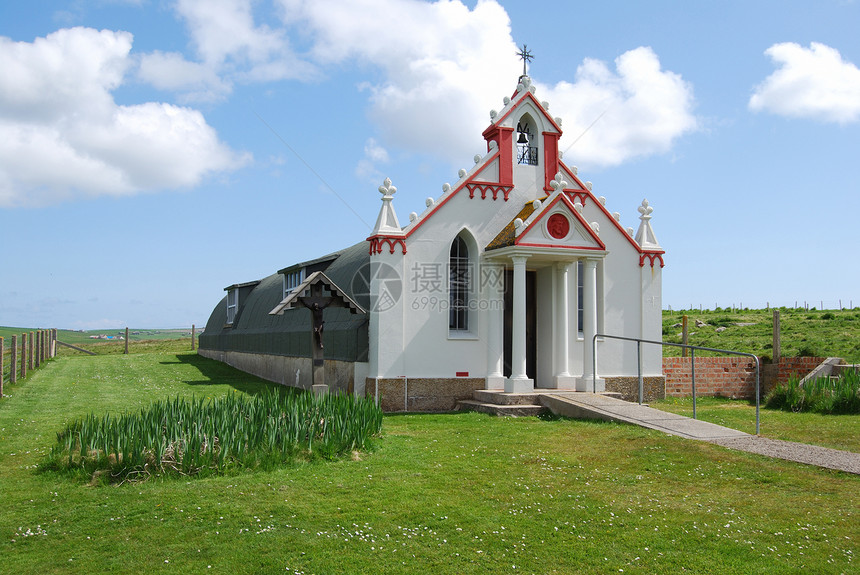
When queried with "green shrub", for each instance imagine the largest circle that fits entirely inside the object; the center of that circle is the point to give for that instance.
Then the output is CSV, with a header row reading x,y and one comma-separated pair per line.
x,y
820,395
828,315
199,437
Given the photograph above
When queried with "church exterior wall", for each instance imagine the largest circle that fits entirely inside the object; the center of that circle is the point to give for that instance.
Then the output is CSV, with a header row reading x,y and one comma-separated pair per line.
x,y
293,371
428,394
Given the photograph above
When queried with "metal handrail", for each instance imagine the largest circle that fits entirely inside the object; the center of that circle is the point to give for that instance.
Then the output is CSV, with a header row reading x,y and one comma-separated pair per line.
x,y
692,349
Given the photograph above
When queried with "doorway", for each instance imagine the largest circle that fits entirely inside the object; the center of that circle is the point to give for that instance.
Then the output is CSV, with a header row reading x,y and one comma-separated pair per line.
x,y
531,324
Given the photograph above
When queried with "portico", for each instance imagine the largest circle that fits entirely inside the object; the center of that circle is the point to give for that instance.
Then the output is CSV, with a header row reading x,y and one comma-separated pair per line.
x,y
556,332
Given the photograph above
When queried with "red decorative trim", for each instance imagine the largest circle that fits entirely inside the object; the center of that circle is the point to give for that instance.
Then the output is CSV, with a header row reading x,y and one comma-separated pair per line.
x,y
651,256
574,195
601,207
558,226
499,119
462,374
566,201
562,246
376,243
550,147
506,156
488,187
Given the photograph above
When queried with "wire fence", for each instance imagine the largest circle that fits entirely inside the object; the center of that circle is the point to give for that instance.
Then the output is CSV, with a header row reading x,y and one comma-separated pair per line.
x,y
22,354
805,305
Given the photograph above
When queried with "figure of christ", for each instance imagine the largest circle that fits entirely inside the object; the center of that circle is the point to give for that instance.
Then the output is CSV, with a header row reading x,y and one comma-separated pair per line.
x,y
317,305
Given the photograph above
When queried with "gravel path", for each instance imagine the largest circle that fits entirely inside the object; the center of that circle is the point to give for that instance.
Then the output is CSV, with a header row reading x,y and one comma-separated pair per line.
x,y
800,452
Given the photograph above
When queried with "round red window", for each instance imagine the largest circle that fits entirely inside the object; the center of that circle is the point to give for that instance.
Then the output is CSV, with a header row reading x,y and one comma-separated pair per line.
x,y
558,226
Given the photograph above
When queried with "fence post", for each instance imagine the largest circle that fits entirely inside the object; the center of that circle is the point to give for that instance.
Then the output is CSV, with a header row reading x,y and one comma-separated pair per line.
x,y
37,349
1,367
193,343
23,355
54,342
126,341
684,335
693,377
777,347
13,367
31,346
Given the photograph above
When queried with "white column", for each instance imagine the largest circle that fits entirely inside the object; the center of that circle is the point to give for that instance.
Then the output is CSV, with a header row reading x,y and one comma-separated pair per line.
x,y
494,294
562,378
519,381
589,328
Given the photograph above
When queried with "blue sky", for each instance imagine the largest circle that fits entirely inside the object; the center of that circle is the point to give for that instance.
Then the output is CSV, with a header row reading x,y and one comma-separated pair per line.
x,y
154,152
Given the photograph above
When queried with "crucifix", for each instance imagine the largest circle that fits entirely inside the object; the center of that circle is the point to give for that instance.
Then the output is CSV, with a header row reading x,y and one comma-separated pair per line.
x,y
316,302
311,294
526,56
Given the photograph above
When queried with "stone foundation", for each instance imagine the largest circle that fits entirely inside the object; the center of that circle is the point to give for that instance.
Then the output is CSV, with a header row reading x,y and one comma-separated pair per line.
x,y
291,371
421,394
654,387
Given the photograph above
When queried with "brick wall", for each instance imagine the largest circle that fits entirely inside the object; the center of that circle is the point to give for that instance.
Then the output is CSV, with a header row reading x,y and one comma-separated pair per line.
x,y
730,376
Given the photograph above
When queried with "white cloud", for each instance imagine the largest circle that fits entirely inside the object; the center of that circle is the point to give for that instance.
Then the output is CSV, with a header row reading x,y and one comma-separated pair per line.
x,y
171,71
230,48
812,82
65,136
614,116
374,154
445,66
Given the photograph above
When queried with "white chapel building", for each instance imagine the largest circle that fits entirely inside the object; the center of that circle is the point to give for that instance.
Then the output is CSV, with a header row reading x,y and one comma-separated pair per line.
x,y
501,283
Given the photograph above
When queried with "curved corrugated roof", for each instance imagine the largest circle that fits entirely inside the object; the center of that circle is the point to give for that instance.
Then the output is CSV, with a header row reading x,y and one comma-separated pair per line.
x,y
255,331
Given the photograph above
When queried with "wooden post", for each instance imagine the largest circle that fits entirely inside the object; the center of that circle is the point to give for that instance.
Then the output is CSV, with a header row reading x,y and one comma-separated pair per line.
x,y
37,349
126,341
23,355
684,336
193,344
1,367
31,346
53,342
13,367
777,349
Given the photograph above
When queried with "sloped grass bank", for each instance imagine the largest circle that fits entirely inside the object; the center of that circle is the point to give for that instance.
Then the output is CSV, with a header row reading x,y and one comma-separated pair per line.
x,y
816,333
443,493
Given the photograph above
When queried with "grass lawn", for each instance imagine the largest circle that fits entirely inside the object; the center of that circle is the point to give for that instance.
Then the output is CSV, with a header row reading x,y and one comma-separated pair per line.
x,y
442,493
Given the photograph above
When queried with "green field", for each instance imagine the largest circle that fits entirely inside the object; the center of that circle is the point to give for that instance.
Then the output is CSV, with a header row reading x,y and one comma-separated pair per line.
x,y
443,493
817,333
140,341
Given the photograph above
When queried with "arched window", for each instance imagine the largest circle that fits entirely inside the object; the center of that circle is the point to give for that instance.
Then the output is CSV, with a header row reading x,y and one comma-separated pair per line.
x,y
458,285
527,149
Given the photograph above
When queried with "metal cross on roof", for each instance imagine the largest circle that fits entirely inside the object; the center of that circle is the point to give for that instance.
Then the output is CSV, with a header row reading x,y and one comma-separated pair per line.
x,y
526,56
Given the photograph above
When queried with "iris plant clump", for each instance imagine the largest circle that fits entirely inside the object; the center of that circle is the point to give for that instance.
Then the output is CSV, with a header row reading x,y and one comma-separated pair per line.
x,y
824,395
198,436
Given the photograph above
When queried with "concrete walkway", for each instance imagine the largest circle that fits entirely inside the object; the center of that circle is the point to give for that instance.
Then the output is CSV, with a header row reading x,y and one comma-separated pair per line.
x,y
596,406
591,406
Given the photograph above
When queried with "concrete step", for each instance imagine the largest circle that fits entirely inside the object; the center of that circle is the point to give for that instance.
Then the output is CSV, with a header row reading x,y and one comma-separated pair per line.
x,y
515,410
499,397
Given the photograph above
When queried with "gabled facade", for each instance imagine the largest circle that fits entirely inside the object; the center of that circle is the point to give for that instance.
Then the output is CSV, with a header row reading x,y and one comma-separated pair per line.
x,y
503,281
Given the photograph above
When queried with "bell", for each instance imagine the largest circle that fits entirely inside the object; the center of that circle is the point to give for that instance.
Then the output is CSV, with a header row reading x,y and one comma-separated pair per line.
x,y
522,138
